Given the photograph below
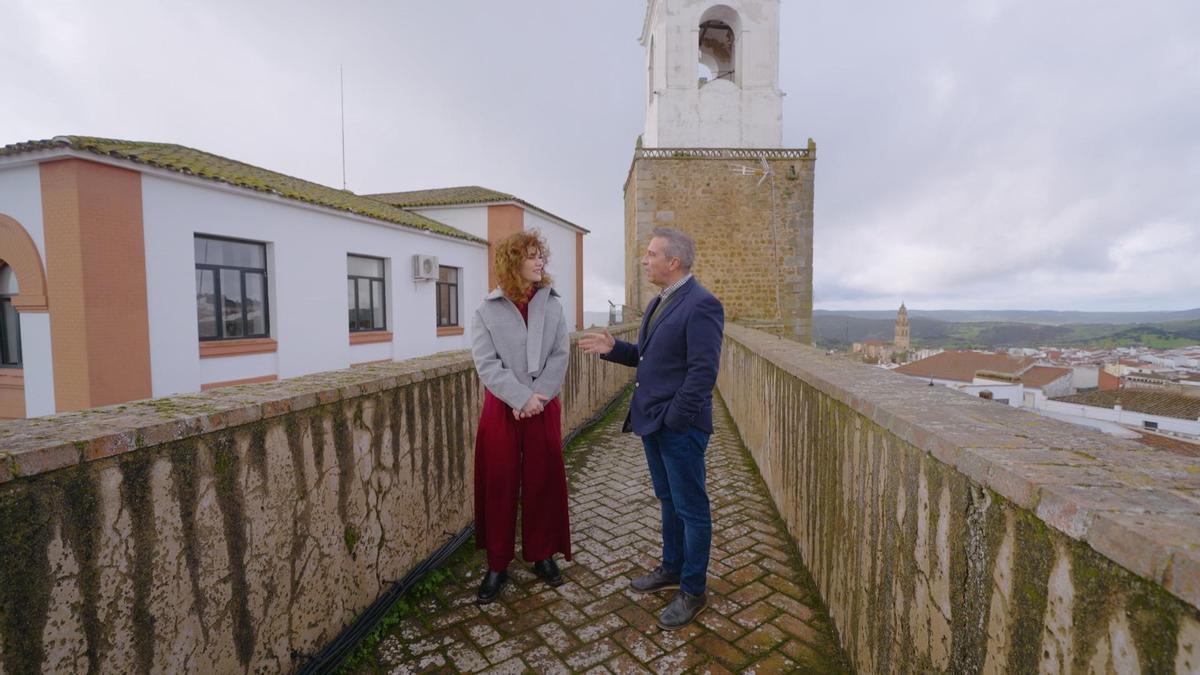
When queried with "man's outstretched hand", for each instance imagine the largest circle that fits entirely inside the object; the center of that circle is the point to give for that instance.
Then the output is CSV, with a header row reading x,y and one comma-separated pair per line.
x,y
597,344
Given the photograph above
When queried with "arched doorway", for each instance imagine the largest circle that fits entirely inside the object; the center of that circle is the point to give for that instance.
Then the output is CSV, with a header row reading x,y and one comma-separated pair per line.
x,y
22,291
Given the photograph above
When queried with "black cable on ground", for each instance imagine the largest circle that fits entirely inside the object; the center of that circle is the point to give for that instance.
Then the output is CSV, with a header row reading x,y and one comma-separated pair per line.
x,y
328,659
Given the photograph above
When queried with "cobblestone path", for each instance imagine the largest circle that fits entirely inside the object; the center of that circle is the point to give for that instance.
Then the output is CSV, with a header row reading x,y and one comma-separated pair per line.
x,y
764,616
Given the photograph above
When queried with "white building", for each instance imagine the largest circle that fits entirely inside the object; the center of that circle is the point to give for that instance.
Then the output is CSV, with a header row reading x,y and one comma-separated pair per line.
x,y
135,270
1013,380
1146,410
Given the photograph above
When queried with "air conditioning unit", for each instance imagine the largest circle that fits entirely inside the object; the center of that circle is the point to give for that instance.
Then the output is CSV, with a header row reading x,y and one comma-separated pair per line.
x,y
425,267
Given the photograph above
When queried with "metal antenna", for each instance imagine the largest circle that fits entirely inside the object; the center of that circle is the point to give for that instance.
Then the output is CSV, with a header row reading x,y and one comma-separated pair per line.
x,y
764,170
342,97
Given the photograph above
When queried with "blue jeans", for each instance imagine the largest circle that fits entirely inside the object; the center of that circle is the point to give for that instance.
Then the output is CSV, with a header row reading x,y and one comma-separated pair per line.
x,y
677,470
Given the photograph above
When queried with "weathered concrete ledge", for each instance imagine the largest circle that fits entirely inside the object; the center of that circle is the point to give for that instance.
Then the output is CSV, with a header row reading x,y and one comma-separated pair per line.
x,y
239,529
951,534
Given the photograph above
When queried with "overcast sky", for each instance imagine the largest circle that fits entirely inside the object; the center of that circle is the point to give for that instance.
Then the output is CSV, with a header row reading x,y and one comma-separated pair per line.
x,y
971,154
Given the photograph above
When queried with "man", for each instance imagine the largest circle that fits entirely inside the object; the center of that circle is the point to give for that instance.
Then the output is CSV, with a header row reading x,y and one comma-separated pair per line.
x,y
676,356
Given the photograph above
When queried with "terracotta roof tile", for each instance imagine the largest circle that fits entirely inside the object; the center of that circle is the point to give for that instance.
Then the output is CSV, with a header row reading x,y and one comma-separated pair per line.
x,y
1108,381
1040,376
961,366
1149,401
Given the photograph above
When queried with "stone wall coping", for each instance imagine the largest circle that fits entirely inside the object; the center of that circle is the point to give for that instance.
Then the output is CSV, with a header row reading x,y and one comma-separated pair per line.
x,y
42,444
1137,506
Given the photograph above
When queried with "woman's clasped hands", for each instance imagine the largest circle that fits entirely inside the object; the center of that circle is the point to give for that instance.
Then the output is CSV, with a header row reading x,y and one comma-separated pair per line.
x,y
534,406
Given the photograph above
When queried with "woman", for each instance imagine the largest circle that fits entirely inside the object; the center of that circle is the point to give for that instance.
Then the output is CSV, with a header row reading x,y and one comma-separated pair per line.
x,y
520,343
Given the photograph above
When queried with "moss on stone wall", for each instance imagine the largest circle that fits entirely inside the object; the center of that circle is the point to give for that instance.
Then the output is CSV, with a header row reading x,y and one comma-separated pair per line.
x,y
25,579
138,501
81,528
184,458
343,450
395,422
980,528
227,475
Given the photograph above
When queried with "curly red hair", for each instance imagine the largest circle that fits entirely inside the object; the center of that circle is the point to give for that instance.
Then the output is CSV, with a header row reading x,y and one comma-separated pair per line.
x,y
510,252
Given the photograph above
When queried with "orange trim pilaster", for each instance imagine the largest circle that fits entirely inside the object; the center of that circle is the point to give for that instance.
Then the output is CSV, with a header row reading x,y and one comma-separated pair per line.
x,y
12,393
233,383
578,281
371,337
503,220
96,272
218,348
444,331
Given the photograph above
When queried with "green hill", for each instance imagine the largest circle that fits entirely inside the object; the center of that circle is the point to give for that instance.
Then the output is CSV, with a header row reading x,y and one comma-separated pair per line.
x,y
841,331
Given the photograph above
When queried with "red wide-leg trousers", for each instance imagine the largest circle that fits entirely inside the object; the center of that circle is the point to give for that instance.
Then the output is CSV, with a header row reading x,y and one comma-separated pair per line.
x,y
520,461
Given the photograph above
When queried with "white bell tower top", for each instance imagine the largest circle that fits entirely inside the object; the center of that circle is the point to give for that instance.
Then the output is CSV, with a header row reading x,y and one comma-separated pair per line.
x,y
712,74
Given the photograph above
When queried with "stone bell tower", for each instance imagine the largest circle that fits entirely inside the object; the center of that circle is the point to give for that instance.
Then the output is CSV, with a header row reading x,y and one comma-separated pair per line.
x,y
710,163
902,341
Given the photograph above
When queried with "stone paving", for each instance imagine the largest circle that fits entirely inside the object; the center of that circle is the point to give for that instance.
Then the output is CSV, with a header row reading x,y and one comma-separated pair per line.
x,y
764,615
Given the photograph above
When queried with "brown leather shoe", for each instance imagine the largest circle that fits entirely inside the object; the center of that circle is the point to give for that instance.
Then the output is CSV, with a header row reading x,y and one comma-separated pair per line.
x,y
682,610
657,580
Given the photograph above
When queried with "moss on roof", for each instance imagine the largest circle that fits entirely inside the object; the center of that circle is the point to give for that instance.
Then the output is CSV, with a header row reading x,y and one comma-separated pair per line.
x,y
455,196
466,194
206,165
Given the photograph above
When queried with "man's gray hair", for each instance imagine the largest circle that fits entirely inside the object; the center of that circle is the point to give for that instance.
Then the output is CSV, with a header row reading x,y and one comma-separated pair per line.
x,y
679,245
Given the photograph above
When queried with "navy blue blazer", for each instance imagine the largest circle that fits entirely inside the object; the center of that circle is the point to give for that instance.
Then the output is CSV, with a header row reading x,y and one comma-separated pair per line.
x,y
676,363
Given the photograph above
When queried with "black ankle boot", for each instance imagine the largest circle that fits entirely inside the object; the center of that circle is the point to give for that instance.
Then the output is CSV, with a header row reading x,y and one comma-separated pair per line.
x,y
548,572
489,590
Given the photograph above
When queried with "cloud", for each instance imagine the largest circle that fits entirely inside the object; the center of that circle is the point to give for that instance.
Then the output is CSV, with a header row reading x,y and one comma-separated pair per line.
x,y
992,153
1006,155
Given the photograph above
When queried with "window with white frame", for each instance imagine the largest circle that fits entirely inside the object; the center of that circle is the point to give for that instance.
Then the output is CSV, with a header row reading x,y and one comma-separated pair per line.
x,y
365,293
231,289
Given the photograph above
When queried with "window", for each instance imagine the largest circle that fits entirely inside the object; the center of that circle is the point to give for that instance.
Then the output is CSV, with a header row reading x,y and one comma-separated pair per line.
x,y
10,334
1149,426
231,289
447,296
365,293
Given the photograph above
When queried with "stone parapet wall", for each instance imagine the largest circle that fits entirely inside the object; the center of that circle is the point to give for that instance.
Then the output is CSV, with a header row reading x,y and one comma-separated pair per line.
x,y
951,534
240,529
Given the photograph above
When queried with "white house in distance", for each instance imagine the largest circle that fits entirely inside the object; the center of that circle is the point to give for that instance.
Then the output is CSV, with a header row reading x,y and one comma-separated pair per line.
x,y
133,270
1157,412
1013,380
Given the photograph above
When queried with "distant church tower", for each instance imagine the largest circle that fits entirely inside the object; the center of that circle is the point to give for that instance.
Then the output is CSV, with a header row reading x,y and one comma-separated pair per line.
x,y
709,162
902,341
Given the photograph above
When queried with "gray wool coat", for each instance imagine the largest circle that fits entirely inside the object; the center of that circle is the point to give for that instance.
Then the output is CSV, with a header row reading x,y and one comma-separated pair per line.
x,y
516,361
